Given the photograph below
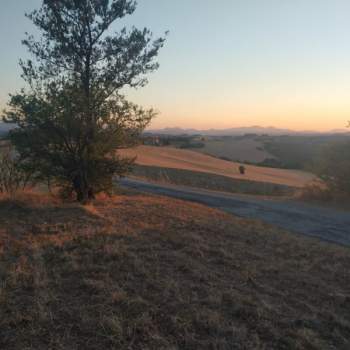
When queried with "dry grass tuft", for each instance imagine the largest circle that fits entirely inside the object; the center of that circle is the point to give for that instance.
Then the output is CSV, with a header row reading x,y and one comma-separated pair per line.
x,y
144,272
315,193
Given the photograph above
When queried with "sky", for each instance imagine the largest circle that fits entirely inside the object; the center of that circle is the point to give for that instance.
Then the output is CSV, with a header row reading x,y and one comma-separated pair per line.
x,y
228,63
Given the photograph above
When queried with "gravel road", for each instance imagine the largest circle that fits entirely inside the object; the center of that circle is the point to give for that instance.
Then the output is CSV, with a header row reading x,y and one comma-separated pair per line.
x,y
327,224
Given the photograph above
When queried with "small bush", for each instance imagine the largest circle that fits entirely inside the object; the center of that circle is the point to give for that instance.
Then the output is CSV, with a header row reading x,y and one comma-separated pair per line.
x,y
334,168
13,176
317,193
321,194
242,169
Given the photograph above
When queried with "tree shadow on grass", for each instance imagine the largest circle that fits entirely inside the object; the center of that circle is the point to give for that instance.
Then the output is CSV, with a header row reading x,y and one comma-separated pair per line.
x,y
28,216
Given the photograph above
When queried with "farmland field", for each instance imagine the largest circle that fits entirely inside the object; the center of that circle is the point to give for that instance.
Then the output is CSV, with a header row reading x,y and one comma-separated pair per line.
x,y
201,180
236,149
168,157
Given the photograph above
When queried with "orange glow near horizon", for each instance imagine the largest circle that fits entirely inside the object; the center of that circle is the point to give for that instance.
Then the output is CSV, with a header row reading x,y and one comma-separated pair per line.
x,y
242,63
299,113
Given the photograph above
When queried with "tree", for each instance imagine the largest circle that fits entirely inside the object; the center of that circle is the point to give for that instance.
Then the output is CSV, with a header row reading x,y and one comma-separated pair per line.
x,y
72,118
242,169
334,168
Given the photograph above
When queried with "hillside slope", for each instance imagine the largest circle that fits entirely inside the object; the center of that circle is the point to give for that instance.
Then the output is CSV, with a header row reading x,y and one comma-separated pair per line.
x,y
141,272
168,157
237,149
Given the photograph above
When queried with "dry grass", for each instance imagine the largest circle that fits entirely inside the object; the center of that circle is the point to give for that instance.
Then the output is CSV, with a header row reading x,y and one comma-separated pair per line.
x,y
198,179
167,157
321,195
144,272
237,149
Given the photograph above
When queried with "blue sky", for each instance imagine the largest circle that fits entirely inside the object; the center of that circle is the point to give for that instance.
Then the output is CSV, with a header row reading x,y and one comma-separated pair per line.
x,y
229,62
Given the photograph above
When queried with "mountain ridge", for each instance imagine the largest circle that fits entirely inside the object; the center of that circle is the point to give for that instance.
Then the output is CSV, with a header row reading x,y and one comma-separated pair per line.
x,y
236,131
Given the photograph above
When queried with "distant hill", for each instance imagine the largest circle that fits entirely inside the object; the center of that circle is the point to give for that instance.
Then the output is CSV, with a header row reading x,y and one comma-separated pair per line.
x,y
260,130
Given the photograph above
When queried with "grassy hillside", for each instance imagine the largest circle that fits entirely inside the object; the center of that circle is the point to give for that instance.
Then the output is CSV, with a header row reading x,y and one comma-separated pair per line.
x,y
167,157
242,149
285,151
198,179
299,152
143,272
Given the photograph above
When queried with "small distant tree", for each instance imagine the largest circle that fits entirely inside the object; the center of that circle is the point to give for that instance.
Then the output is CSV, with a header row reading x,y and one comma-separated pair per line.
x,y
72,118
242,169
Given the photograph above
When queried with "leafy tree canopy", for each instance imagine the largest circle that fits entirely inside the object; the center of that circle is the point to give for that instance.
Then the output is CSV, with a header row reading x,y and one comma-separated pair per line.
x,y
72,118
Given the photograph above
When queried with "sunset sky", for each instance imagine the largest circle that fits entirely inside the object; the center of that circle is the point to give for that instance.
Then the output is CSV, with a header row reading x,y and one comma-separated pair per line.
x,y
229,63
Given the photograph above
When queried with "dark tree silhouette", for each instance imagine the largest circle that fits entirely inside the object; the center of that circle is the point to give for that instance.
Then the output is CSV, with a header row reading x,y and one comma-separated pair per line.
x,y
72,118
242,169
334,168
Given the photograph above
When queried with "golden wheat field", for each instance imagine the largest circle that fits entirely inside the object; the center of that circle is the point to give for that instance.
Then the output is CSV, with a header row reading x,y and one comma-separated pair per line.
x,y
169,157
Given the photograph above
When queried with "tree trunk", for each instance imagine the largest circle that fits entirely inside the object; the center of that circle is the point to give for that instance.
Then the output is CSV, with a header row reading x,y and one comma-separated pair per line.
x,y
91,193
82,190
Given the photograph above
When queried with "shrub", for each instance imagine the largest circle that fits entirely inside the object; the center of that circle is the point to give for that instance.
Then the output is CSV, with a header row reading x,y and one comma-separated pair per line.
x,y
242,169
334,168
13,176
318,193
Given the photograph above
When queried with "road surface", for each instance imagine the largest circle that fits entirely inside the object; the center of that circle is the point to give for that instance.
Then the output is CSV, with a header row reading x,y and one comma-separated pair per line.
x,y
326,224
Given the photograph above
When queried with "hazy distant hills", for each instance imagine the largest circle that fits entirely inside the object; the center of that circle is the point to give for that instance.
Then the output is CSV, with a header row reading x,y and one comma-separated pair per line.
x,y
4,128
237,131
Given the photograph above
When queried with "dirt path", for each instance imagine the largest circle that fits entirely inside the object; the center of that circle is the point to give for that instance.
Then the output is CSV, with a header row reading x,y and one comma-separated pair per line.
x,y
326,224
